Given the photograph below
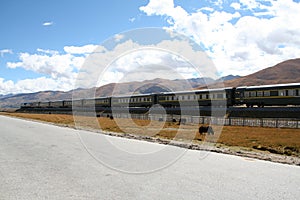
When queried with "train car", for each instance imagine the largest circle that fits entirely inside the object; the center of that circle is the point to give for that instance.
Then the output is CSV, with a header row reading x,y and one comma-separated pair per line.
x,y
103,102
207,97
77,103
268,95
98,102
44,104
140,100
27,105
56,104
35,104
67,103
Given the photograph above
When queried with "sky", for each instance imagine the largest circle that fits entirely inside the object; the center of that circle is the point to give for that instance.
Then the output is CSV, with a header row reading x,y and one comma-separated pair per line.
x,y
44,45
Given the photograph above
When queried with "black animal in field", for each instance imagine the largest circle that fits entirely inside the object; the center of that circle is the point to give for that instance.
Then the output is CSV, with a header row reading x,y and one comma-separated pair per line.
x,y
206,129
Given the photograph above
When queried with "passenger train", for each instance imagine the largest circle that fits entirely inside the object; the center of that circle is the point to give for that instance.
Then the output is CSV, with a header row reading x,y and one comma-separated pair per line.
x,y
260,96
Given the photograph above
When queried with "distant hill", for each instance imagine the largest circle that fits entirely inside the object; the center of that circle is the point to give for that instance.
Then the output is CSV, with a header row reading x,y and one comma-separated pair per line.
x,y
284,72
229,77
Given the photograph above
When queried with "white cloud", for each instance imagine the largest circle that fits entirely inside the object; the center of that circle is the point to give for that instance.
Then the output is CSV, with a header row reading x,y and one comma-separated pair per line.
x,y
250,44
118,37
58,70
47,51
132,19
126,61
47,23
131,61
55,65
87,49
34,85
235,5
5,51
165,7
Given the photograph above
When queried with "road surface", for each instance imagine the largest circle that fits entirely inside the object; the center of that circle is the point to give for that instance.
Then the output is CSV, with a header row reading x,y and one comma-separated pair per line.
x,y
42,161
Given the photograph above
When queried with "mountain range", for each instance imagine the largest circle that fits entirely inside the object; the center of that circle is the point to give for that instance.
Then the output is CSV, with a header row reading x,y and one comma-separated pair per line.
x,y
284,72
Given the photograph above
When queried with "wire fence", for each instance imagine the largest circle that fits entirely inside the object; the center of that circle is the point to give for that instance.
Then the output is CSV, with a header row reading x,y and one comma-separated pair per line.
x,y
230,121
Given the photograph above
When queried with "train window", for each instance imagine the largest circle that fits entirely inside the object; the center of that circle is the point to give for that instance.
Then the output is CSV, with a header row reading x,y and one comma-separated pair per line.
x,y
259,93
266,93
281,93
273,93
220,96
253,94
291,92
247,94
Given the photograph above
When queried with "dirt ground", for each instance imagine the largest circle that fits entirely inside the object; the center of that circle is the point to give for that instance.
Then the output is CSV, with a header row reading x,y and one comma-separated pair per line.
x,y
237,139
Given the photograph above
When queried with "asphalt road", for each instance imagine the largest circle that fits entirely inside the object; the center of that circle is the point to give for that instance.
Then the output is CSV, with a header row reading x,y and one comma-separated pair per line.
x,y
41,161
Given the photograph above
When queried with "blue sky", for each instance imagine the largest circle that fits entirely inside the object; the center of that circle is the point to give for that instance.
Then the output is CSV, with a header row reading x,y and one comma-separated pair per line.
x,y
71,23
42,42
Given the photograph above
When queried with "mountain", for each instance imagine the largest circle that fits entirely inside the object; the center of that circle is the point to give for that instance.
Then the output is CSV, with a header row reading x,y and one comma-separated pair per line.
x,y
5,96
228,78
284,72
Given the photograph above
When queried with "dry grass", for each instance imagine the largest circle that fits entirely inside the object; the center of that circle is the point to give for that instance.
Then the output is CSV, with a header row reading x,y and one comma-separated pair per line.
x,y
276,140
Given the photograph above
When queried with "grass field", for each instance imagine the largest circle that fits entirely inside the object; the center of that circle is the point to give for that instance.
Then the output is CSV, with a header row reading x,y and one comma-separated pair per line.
x,y
275,140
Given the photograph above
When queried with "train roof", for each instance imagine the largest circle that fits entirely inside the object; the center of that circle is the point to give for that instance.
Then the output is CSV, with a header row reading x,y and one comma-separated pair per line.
x,y
133,95
195,91
269,86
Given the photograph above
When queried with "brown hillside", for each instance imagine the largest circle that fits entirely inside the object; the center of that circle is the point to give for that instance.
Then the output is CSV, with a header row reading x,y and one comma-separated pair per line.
x,y
284,72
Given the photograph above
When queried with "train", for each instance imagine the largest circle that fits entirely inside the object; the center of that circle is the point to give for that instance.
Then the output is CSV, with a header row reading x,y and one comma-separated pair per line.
x,y
248,96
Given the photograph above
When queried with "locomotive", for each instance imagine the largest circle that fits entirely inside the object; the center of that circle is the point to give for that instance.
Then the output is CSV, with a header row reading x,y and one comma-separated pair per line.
x,y
260,96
